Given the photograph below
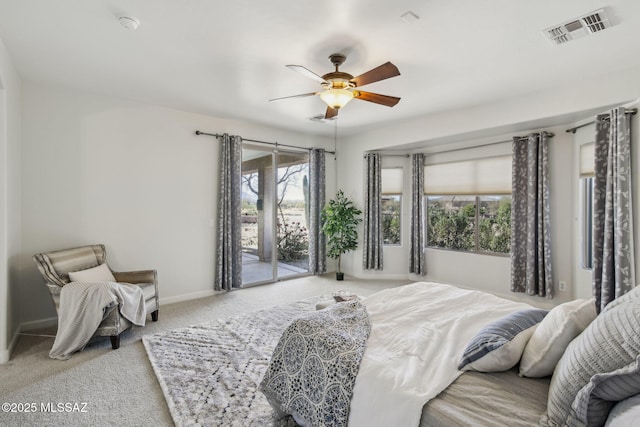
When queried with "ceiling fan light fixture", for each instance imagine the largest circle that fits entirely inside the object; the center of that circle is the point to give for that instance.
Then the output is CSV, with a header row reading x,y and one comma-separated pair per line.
x,y
336,98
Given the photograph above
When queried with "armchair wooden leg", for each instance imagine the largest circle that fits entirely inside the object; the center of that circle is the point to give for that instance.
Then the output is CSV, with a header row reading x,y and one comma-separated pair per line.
x,y
115,341
154,315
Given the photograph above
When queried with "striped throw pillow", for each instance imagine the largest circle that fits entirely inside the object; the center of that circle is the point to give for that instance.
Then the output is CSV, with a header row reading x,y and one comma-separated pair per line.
x,y
599,367
499,345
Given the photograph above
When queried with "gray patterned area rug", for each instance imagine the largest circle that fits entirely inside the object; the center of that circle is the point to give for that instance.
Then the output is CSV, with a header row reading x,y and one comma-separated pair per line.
x,y
210,373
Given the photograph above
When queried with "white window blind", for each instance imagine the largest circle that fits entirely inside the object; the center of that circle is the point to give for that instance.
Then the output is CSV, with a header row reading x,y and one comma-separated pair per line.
x,y
392,181
587,160
481,176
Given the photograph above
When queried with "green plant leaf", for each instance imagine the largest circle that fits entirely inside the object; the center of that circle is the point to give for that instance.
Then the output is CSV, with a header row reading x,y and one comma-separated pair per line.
x,y
340,219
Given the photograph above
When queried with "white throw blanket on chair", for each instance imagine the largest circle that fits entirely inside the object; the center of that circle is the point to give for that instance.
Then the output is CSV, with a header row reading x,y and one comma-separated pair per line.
x,y
83,305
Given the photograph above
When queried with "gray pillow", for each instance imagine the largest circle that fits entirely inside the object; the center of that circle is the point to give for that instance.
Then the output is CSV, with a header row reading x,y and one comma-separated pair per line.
x,y
594,401
499,345
599,367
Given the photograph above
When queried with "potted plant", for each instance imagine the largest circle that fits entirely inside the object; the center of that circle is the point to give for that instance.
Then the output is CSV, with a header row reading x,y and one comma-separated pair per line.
x,y
340,218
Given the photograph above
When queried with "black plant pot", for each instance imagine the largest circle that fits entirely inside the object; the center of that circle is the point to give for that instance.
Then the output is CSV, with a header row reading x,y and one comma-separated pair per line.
x,y
339,276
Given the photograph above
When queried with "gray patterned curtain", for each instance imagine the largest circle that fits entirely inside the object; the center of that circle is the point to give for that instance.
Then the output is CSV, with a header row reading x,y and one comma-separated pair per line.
x,y
229,257
372,258
530,216
417,262
613,257
317,239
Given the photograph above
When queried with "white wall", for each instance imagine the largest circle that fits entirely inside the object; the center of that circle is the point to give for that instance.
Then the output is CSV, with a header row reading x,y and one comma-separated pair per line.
x,y
134,177
10,86
482,124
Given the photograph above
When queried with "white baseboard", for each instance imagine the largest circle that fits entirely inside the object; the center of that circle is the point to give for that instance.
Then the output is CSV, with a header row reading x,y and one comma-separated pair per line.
x,y
37,324
5,355
383,276
187,297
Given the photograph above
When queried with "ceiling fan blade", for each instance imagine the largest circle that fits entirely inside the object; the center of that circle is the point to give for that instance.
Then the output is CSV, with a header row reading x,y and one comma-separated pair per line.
x,y
389,101
382,72
294,96
306,72
331,113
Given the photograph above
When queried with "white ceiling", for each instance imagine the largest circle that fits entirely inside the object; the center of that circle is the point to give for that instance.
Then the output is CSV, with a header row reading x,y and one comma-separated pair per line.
x,y
227,58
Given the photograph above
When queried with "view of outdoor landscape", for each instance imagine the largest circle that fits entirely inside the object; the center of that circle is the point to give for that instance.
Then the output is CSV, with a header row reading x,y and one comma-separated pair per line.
x,y
451,223
391,220
291,213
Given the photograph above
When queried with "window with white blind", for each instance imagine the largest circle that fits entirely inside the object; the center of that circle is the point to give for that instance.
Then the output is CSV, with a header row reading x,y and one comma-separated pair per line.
x,y
480,176
469,205
587,160
391,205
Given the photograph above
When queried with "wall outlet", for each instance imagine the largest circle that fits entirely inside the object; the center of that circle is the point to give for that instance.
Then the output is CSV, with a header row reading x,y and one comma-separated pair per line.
x,y
562,285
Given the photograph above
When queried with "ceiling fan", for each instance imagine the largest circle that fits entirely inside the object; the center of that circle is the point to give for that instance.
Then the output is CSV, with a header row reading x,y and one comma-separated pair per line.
x,y
340,87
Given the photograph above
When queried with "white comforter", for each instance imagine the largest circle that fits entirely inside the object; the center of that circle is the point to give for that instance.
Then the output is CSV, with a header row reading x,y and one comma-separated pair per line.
x,y
83,305
418,334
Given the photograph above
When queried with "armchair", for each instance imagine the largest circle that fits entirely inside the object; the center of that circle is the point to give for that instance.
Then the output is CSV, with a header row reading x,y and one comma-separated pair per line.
x,y
55,267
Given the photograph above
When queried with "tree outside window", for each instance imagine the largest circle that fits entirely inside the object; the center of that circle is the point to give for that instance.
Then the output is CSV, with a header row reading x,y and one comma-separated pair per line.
x,y
451,222
494,225
391,202
469,223
391,219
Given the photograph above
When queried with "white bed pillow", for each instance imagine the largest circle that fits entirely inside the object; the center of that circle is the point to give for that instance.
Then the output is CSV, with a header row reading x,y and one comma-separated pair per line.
x,y
553,335
624,413
101,273
499,345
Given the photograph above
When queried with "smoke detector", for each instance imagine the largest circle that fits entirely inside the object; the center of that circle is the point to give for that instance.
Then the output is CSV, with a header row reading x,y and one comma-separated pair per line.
x,y
129,23
576,28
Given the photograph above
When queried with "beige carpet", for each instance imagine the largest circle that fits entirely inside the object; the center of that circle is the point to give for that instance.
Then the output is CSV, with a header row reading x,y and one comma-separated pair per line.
x,y
119,386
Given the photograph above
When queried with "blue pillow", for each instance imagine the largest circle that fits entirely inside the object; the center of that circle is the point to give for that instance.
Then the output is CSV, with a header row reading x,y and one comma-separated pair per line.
x,y
499,345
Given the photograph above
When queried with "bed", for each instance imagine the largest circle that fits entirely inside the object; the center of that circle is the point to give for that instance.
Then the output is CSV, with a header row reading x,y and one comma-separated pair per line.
x,y
488,399
430,354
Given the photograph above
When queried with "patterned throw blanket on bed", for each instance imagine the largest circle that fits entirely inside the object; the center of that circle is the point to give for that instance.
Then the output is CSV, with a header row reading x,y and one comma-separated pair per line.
x,y
314,366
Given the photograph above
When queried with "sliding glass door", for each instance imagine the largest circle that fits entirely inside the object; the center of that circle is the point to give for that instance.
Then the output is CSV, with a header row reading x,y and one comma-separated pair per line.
x,y
292,220
274,215
257,216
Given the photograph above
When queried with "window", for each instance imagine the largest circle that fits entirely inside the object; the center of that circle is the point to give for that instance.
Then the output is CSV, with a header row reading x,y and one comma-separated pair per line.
x,y
587,156
391,205
494,225
451,222
391,219
469,223
469,205
586,195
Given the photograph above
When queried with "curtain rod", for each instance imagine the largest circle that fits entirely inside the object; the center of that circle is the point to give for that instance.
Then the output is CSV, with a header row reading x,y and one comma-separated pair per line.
x,y
549,134
277,144
390,155
632,111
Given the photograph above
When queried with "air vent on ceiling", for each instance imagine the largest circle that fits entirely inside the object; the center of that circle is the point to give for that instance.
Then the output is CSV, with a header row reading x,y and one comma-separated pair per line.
x,y
577,28
320,118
